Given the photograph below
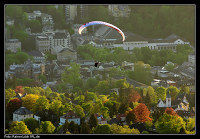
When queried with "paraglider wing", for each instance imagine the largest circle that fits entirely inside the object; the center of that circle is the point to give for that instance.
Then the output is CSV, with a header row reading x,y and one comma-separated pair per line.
x,y
103,23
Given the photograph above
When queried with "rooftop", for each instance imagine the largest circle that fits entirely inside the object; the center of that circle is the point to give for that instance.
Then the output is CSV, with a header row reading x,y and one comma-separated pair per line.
x,y
67,49
35,53
70,115
22,111
60,35
12,40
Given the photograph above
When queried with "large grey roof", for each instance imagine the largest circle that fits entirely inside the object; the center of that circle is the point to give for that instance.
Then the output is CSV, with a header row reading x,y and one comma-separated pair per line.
x,y
102,30
168,95
134,37
35,53
60,35
22,111
65,49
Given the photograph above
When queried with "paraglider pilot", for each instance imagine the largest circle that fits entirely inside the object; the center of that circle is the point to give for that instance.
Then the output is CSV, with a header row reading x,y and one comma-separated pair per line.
x,y
96,64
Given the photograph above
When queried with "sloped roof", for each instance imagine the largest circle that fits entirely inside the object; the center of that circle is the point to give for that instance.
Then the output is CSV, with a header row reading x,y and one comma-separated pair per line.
x,y
22,111
181,95
168,95
70,115
112,34
35,53
134,37
160,101
102,30
67,49
60,35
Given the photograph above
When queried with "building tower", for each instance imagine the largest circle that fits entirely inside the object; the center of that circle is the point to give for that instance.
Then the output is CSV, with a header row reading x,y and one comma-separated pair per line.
x,y
168,99
83,11
70,13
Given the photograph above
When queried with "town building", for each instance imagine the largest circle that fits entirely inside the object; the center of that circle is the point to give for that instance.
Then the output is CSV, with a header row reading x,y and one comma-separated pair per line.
x,y
181,103
43,44
9,21
70,13
53,41
82,11
128,65
60,38
70,116
76,27
136,41
13,45
26,70
188,82
21,114
67,54
47,28
38,56
34,15
191,58
100,119
108,37
121,118
166,103
46,19
186,114
119,10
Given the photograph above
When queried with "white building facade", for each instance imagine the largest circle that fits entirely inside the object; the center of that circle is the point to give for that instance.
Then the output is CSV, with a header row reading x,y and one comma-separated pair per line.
x,y
43,43
53,41
21,114
151,45
13,45
70,116
167,103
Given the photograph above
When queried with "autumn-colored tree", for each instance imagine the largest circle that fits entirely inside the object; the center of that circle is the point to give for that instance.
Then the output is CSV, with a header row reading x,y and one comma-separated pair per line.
x,y
142,113
9,93
19,89
13,105
134,96
171,111
29,101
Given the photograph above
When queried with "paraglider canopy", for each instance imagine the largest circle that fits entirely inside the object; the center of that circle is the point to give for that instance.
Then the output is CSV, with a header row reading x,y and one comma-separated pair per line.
x,y
103,23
